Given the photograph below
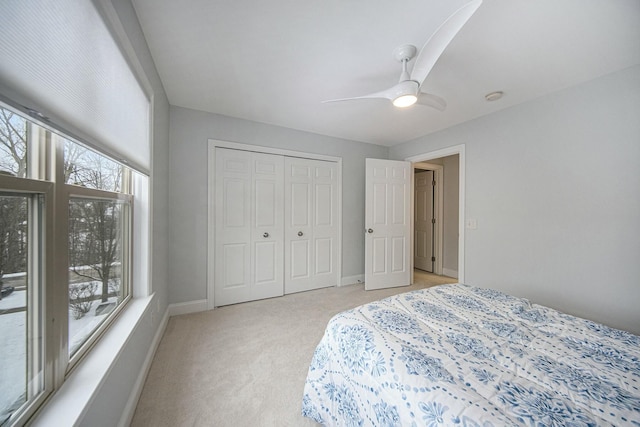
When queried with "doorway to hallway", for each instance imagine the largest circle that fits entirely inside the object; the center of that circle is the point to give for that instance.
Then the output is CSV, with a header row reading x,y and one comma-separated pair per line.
x,y
452,160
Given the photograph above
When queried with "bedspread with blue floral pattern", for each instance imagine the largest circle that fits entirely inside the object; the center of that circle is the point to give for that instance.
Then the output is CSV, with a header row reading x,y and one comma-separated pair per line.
x,y
456,355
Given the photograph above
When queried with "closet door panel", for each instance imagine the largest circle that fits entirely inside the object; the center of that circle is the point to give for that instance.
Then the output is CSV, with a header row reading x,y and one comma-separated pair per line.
x,y
300,204
233,226
324,205
298,224
266,259
267,226
325,228
265,208
299,259
235,208
249,226
324,256
311,229
235,256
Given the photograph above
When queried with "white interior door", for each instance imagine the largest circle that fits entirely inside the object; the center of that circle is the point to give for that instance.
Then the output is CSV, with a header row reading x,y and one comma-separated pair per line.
x,y
423,228
311,232
388,224
249,226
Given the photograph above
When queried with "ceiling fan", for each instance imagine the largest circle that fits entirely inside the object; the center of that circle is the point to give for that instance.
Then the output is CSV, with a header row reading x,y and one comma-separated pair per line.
x,y
408,90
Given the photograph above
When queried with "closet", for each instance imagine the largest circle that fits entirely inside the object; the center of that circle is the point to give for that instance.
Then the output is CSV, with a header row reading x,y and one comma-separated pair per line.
x,y
276,228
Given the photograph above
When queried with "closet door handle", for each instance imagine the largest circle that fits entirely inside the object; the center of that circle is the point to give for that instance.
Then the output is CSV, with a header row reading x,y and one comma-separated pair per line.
x,y
300,233
265,235
369,230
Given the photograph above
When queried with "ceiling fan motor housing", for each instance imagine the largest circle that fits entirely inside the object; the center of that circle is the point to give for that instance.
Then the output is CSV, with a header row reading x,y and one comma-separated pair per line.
x,y
407,87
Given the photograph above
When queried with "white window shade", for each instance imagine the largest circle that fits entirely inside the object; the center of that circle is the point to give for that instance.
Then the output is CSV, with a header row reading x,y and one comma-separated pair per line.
x,y
59,58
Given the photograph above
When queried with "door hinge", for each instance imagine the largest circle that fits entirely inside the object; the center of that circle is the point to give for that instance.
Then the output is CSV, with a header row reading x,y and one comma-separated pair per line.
x,y
433,183
433,220
433,259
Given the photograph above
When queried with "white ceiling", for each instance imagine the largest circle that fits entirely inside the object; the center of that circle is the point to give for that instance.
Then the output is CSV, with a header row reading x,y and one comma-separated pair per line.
x,y
275,61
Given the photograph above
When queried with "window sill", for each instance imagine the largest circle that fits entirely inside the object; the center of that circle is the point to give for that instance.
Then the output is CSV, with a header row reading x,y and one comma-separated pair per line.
x,y
69,404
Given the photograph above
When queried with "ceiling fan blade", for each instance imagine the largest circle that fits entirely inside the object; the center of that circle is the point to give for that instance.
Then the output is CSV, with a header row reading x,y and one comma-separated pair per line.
x,y
385,94
439,40
431,100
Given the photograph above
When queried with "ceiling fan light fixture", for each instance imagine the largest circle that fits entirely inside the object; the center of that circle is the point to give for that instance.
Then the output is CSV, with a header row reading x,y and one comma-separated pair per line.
x,y
404,101
404,94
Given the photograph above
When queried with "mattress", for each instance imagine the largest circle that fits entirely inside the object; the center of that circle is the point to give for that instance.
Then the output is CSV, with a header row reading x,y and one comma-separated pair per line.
x,y
466,356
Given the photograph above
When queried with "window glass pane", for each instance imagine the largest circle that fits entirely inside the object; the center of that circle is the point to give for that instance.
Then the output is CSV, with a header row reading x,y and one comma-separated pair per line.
x,y
87,168
21,348
97,284
13,144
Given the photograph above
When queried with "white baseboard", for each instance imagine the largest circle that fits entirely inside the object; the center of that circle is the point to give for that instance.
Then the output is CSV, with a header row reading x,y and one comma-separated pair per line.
x,y
350,280
134,397
450,273
187,307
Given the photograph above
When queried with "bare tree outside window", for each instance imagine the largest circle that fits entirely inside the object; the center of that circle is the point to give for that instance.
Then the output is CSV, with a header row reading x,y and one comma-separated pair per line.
x,y
95,240
94,247
13,161
13,244
87,168
13,144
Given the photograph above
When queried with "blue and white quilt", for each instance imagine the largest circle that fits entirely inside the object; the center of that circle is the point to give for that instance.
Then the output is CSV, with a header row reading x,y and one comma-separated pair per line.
x,y
456,355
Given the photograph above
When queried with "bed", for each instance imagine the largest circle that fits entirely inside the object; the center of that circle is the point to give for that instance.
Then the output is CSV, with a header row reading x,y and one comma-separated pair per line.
x,y
457,355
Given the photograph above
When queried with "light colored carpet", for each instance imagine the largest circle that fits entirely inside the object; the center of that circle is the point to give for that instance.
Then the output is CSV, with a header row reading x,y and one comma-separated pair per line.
x,y
246,364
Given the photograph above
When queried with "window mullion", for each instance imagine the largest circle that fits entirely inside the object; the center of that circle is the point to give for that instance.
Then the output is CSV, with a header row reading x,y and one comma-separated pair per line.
x,y
127,181
37,151
58,288
40,211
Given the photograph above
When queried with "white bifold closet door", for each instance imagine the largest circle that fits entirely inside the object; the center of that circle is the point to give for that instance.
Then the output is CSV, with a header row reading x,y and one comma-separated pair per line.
x,y
249,226
311,231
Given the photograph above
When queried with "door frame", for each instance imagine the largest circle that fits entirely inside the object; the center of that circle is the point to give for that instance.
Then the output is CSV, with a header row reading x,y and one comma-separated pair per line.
x,y
211,197
444,152
438,231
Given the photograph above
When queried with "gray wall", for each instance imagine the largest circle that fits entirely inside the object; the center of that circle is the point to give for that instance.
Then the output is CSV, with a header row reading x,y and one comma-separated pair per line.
x,y
190,131
554,185
112,397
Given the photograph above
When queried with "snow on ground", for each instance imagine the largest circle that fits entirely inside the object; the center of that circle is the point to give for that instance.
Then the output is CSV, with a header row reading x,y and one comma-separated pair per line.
x,y
13,339
14,361
17,299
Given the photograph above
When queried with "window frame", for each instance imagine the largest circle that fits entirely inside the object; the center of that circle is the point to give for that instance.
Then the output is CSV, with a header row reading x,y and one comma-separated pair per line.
x,y
45,177
76,192
40,247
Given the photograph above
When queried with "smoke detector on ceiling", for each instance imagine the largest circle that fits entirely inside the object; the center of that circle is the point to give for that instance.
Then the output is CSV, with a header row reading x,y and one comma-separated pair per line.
x,y
494,96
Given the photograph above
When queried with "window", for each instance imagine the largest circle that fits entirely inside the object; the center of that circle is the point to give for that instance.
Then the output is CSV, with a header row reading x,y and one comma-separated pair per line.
x,y
20,324
78,255
99,230
98,282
